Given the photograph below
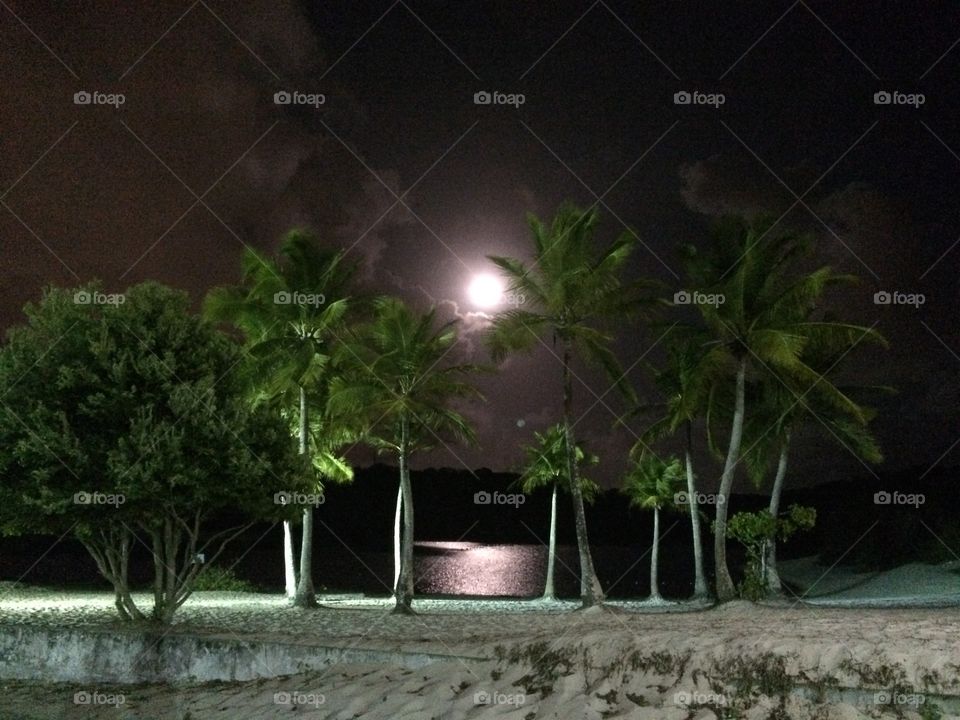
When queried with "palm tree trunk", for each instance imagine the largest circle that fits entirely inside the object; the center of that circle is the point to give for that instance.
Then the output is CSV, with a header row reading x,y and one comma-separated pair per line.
x,y
725,588
655,556
548,590
396,537
591,593
404,589
305,596
700,589
773,577
289,573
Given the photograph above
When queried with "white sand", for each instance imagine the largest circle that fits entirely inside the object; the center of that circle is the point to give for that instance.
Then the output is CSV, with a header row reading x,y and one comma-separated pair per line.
x,y
914,584
741,660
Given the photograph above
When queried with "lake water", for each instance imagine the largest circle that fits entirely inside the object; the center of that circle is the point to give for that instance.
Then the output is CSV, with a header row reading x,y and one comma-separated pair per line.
x,y
463,568
441,568
480,569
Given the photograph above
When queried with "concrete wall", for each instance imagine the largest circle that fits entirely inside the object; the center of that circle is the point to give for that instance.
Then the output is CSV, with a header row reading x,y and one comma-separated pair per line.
x,y
69,655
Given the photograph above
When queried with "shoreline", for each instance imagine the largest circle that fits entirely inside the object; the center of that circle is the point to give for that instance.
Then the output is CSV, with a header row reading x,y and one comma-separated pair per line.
x,y
738,659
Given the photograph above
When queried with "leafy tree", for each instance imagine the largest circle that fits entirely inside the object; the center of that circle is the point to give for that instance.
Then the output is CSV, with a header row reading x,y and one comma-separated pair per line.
x,y
755,531
652,484
764,323
546,466
125,423
395,383
291,310
573,291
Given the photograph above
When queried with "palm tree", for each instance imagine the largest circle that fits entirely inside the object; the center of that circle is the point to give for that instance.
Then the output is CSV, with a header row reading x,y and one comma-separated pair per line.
x,y
685,382
764,322
400,391
290,310
546,466
652,484
572,290
782,409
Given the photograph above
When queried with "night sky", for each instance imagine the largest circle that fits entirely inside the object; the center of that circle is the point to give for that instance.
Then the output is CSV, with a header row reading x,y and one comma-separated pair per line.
x,y
400,165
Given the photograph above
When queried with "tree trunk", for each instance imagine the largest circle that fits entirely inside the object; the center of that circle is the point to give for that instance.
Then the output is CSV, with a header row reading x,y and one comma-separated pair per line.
x,y
289,572
700,589
655,556
166,540
306,596
396,537
725,587
549,593
404,588
773,577
591,593
112,557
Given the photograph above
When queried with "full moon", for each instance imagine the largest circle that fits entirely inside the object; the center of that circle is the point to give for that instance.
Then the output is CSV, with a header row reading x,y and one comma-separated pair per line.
x,y
485,291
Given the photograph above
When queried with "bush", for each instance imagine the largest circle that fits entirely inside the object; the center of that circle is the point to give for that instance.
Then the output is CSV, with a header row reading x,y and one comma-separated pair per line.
x,y
755,531
223,579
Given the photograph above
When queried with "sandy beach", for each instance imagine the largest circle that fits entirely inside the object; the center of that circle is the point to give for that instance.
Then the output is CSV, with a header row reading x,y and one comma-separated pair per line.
x,y
524,659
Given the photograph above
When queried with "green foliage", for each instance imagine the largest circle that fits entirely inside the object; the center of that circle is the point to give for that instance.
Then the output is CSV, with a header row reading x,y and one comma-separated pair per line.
x,y
755,530
545,463
771,317
574,292
137,399
131,416
221,579
292,311
653,483
684,382
392,372
289,309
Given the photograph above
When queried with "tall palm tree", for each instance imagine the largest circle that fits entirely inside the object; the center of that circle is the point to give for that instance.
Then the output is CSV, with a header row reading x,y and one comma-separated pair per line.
x,y
290,310
782,408
402,392
765,322
651,484
545,465
685,382
573,292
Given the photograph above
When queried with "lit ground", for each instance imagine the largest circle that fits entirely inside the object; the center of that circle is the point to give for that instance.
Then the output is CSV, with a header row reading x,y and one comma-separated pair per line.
x,y
740,660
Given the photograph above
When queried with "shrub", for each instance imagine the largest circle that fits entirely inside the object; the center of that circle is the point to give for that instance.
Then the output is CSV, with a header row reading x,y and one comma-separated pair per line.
x,y
223,579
